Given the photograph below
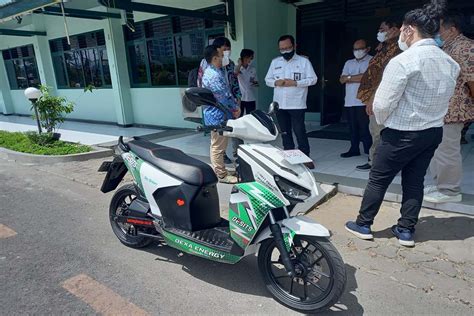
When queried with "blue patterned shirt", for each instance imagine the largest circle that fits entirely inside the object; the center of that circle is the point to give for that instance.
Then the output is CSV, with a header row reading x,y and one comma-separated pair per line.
x,y
214,79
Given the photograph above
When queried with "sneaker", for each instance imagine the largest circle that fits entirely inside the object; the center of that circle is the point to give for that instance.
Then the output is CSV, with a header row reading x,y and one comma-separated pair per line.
x,y
438,197
404,235
429,189
229,179
363,232
365,167
309,165
227,160
349,154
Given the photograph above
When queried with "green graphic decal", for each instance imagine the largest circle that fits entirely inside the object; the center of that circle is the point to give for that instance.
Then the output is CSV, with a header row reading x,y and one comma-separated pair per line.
x,y
241,227
134,164
288,238
261,198
194,248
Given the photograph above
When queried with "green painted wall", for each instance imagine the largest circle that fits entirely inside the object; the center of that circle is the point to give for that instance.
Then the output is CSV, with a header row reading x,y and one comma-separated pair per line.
x,y
259,24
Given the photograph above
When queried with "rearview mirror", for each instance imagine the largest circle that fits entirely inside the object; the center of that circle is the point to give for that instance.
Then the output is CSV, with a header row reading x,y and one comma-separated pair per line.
x,y
273,108
194,97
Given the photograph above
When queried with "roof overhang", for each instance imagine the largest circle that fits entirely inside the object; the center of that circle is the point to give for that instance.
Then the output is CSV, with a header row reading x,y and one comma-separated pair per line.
x,y
9,9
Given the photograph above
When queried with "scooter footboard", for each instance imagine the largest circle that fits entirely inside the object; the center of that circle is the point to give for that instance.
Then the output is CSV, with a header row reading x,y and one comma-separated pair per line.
x,y
298,225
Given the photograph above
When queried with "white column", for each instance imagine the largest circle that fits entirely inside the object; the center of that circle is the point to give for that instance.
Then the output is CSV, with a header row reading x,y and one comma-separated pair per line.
x,y
6,103
118,64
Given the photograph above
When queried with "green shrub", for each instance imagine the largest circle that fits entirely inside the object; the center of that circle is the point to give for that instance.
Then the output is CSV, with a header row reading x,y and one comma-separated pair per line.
x,y
22,142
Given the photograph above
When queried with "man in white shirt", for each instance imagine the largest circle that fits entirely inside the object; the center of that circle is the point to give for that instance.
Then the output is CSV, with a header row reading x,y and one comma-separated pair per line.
x,y
247,75
355,109
411,102
291,75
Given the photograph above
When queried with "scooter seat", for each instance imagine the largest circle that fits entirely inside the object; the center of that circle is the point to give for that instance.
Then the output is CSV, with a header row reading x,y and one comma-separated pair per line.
x,y
174,162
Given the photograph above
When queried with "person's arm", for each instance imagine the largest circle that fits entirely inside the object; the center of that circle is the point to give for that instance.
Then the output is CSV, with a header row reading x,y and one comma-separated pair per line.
x,y
470,85
390,90
345,73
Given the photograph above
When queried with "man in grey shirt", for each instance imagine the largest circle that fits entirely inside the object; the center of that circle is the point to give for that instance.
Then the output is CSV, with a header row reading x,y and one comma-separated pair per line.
x,y
411,103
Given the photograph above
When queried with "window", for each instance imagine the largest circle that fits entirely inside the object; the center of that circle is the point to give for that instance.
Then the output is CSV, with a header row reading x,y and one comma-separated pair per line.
x,y
22,71
83,63
162,52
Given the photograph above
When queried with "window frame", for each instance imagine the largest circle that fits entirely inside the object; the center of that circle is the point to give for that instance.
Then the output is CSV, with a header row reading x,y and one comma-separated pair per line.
x,y
206,32
79,51
12,62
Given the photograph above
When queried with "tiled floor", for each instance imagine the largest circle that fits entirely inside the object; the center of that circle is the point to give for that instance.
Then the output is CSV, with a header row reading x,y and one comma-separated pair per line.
x,y
85,133
324,152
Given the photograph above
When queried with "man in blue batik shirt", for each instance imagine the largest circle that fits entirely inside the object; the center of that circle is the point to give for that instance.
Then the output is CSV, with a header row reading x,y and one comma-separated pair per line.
x,y
214,79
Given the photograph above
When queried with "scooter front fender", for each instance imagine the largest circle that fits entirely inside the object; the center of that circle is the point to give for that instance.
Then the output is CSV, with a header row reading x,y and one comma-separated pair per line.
x,y
298,225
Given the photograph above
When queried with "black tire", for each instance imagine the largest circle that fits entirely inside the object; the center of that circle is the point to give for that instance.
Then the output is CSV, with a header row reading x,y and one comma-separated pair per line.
x,y
118,204
306,263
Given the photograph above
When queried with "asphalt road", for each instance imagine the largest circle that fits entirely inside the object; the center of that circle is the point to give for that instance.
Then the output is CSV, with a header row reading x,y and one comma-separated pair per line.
x,y
58,255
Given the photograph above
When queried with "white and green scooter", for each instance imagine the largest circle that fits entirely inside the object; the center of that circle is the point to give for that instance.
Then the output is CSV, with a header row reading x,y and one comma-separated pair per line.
x,y
174,197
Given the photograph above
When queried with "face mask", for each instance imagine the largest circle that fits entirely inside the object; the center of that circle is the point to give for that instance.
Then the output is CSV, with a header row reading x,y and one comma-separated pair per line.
x,y
403,45
360,53
287,54
226,59
381,36
439,41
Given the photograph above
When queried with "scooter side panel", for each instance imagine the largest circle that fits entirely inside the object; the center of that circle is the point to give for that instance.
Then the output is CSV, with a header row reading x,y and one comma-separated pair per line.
x,y
249,205
194,248
148,178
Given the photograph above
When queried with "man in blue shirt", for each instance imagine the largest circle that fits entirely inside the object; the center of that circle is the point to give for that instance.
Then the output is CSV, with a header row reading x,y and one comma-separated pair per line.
x,y
214,79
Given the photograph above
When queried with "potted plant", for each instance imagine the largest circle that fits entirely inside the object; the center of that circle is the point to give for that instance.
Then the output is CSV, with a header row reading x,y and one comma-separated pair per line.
x,y
52,110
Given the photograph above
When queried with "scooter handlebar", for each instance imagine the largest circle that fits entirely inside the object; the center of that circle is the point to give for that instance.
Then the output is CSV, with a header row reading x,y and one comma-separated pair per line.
x,y
216,128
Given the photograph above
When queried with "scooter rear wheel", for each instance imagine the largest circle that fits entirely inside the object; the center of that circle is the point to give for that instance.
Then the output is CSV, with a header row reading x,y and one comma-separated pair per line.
x,y
320,279
121,200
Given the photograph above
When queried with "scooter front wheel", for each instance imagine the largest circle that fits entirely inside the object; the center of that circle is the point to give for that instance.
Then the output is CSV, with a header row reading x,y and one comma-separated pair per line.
x,y
121,200
320,274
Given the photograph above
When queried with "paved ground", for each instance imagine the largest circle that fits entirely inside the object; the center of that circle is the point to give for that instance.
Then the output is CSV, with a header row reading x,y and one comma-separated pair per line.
x,y
58,255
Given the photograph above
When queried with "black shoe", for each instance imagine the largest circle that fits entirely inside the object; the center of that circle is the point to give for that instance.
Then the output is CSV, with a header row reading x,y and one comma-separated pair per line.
x,y
227,160
350,154
367,166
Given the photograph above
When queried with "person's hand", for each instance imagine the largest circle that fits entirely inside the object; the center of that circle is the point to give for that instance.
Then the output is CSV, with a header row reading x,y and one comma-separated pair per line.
x,y
280,83
290,83
369,109
343,79
236,113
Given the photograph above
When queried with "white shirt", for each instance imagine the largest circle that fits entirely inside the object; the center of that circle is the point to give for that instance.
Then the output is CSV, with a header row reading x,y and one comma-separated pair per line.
x,y
246,77
354,67
416,87
299,69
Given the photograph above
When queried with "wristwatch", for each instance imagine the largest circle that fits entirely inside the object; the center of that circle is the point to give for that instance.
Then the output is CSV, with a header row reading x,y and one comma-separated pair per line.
x,y
349,77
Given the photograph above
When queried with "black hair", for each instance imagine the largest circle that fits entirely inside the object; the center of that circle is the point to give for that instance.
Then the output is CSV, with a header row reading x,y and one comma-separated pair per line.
x,y
287,37
246,53
393,22
221,41
453,19
210,52
426,19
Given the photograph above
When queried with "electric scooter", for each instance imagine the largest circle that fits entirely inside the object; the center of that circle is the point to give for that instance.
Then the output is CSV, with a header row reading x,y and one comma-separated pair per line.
x,y
174,198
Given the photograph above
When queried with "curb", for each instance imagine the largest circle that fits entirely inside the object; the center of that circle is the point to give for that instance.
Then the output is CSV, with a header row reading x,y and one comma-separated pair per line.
x,y
97,152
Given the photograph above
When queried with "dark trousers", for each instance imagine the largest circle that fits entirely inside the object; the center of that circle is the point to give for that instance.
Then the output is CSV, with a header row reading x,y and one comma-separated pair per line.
x,y
359,128
410,153
247,107
293,121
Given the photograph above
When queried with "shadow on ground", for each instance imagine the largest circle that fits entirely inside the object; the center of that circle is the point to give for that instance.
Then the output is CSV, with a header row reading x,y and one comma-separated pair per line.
x,y
244,277
433,228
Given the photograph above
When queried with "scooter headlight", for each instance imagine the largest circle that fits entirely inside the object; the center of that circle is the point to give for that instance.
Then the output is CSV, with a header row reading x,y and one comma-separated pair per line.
x,y
292,191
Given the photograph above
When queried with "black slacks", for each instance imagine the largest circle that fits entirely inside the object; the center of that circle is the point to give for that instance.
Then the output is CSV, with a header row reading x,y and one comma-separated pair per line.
x,y
359,128
293,121
410,153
